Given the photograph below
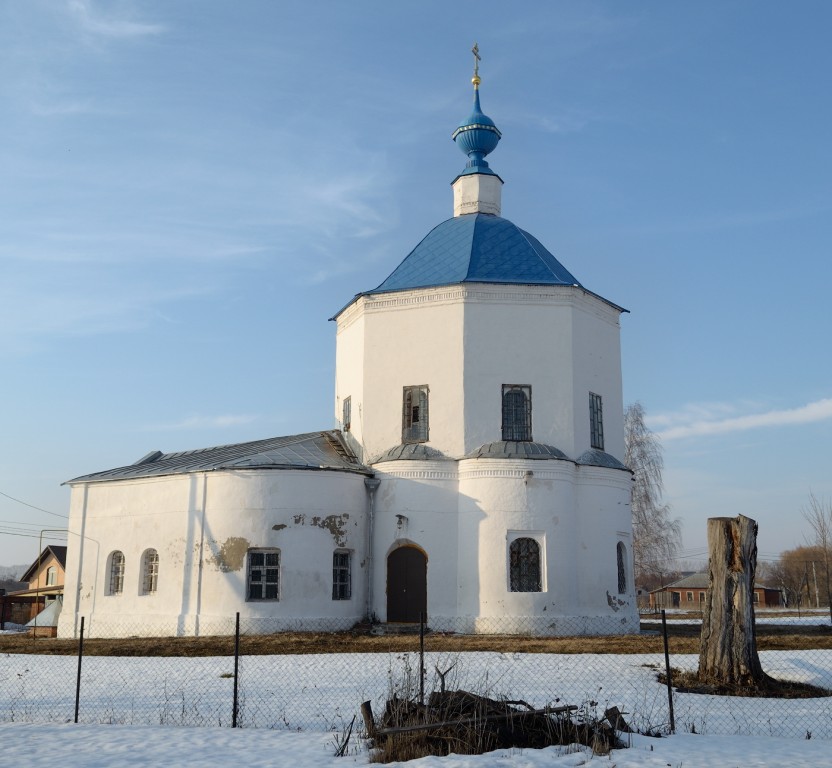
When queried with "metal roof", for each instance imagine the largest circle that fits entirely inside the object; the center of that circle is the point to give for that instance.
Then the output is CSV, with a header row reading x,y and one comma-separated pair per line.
x,y
595,458
516,449
701,581
411,452
478,248
311,450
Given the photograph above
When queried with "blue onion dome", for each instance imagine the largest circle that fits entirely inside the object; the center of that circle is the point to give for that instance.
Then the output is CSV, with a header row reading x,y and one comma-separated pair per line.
x,y
477,136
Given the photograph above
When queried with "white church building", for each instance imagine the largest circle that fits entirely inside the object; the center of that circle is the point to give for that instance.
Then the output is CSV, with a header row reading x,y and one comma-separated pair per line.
x,y
475,475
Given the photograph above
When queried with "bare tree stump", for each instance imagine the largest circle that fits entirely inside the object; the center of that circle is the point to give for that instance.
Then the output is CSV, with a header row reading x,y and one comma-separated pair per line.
x,y
728,645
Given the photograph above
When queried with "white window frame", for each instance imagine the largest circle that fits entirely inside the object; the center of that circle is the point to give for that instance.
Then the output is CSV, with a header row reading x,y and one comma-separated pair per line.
x,y
257,574
115,572
51,576
539,537
342,575
150,572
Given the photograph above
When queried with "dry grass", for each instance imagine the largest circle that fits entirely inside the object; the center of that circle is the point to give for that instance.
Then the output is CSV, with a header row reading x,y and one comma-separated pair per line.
x,y
682,641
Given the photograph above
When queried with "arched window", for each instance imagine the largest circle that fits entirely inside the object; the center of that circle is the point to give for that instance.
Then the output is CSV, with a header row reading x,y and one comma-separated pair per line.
x,y
524,565
116,573
150,571
51,576
517,412
621,555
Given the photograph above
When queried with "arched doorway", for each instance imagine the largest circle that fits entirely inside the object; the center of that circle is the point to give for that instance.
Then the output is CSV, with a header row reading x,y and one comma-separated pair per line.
x,y
407,584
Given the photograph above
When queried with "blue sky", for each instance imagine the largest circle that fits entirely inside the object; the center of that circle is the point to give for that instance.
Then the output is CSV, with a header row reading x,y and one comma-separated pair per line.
x,y
191,188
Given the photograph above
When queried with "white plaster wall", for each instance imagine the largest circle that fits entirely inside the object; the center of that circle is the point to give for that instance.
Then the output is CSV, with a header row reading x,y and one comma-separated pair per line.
x,y
477,193
465,342
349,374
596,351
605,519
424,495
561,341
411,338
213,519
462,514
511,342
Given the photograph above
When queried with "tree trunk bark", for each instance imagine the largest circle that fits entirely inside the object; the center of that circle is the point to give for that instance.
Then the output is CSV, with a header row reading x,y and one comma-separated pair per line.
x,y
728,645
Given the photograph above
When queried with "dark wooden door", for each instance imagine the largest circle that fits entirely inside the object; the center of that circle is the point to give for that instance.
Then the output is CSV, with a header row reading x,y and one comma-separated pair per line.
x,y
407,584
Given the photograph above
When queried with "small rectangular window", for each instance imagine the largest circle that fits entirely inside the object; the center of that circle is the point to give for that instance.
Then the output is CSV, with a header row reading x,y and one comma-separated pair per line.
x,y
347,414
341,577
701,597
596,421
690,597
415,415
756,597
517,412
264,574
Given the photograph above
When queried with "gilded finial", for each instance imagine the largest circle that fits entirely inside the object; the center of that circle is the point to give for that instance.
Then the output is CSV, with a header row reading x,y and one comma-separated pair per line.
x,y
477,59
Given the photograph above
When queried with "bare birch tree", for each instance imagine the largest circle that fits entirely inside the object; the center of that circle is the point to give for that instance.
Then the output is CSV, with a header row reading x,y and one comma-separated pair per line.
x,y
818,513
656,535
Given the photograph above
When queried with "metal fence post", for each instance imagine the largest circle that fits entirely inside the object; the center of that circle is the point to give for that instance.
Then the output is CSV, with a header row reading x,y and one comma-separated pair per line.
x,y
422,657
667,673
236,670
78,679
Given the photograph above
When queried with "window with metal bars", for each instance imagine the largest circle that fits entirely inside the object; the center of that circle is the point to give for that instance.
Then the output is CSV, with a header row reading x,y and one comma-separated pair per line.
x,y
596,421
524,565
116,573
517,412
346,419
415,415
621,556
341,576
150,568
264,574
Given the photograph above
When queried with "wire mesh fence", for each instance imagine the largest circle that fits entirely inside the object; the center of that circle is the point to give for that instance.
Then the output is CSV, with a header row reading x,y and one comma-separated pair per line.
x,y
308,680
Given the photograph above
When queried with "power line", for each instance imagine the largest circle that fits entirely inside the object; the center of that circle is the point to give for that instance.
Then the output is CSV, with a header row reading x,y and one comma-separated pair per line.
x,y
39,509
30,535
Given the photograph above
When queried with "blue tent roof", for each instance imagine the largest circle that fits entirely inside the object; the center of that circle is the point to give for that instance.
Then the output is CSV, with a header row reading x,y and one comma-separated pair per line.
x,y
477,248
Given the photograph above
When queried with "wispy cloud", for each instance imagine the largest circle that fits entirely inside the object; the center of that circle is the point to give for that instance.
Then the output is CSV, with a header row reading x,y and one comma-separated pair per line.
x,y
820,410
97,23
200,422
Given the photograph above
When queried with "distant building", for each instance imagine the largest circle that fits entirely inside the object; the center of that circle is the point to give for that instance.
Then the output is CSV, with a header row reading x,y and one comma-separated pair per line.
x,y
689,593
475,477
44,580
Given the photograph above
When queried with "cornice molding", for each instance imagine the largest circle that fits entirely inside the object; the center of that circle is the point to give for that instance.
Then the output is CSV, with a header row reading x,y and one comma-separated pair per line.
x,y
479,293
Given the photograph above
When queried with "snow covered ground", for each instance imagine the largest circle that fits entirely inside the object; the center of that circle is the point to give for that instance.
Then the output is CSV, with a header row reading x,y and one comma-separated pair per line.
x,y
321,692
814,618
133,746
